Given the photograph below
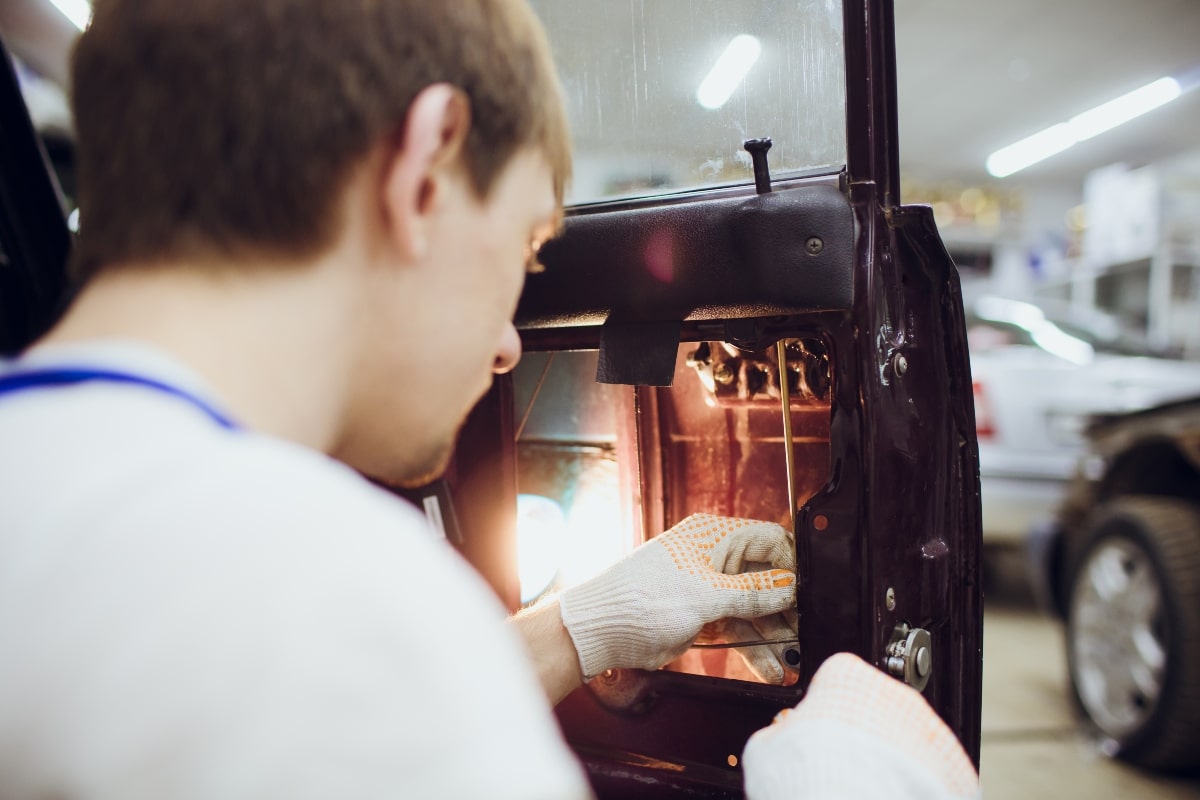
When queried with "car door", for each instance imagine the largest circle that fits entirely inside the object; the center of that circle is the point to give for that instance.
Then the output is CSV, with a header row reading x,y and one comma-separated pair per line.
x,y
691,274
34,239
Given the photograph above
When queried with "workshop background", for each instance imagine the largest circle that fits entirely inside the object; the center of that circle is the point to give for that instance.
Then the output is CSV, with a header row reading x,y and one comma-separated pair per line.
x,y
1059,145
1106,230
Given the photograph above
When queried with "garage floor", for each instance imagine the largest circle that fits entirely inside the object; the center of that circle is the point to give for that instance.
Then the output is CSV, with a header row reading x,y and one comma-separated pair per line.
x,y
1032,748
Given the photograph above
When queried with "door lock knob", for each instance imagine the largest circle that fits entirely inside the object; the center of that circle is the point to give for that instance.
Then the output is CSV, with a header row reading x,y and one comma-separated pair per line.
x,y
910,655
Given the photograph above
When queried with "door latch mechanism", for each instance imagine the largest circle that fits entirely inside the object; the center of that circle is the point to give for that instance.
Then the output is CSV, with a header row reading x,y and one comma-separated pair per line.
x,y
910,655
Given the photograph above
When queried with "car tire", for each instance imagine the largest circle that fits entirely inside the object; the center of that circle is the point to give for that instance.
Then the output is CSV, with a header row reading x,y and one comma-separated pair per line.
x,y
1133,630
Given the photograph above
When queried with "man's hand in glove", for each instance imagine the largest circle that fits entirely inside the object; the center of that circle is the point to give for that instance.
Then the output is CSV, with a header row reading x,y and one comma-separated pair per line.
x,y
858,733
648,608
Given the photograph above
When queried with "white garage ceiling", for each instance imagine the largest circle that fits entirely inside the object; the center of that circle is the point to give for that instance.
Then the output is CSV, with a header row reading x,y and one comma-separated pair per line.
x,y
976,75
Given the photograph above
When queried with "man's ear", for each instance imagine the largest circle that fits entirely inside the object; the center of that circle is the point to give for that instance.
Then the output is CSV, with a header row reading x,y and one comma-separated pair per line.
x,y
416,172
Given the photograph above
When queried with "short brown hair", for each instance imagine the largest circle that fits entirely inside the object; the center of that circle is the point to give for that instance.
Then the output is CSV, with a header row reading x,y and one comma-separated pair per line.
x,y
228,127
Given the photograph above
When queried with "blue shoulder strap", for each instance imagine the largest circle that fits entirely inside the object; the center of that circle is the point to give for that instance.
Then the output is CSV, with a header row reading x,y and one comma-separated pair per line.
x,y
52,378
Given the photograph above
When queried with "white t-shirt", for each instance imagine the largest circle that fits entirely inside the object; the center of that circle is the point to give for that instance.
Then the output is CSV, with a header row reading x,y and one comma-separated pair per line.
x,y
192,612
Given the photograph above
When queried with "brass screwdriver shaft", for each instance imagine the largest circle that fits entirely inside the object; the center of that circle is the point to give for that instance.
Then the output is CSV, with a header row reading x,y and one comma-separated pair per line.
x,y
788,451
792,654
751,643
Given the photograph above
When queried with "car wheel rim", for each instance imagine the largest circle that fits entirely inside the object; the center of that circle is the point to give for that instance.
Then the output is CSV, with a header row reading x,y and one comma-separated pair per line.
x,y
1117,637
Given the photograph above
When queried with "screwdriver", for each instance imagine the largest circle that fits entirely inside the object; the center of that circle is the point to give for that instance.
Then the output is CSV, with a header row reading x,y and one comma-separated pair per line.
x,y
792,654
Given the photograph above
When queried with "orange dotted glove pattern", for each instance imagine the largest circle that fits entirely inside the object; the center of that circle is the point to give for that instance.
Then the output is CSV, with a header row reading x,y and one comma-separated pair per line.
x,y
858,733
647,609
691,545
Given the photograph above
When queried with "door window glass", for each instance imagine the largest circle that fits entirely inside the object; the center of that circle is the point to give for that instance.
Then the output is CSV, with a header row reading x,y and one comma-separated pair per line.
x,y
662,93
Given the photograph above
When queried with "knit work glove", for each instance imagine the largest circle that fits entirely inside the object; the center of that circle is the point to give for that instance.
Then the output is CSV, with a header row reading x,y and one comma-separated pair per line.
x,y
647,609
858,733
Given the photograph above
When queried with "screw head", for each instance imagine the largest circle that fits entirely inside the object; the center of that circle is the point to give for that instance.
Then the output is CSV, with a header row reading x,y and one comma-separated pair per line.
x,y
814,245
900,364
722,374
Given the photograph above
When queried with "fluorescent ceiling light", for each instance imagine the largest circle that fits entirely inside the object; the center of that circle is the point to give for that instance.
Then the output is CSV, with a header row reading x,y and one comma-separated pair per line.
x,y
727,73
78,11
1030,150
1104,117
1126,107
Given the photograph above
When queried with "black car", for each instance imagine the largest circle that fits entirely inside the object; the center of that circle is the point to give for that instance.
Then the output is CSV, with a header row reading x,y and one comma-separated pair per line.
x,y
1123,568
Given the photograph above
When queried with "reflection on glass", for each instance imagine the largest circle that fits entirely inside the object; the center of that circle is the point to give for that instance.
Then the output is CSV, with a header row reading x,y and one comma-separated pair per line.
x,y
727,74
1074,335
633,72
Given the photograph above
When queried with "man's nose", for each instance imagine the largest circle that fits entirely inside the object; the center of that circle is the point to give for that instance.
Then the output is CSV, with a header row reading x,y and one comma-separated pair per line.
x,y
509,351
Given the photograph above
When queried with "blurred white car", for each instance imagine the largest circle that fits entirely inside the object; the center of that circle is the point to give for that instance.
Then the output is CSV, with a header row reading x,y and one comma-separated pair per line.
x,y
1039,373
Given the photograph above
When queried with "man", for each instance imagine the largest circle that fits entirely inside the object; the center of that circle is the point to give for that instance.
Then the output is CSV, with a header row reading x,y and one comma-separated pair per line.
x,y
304,227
